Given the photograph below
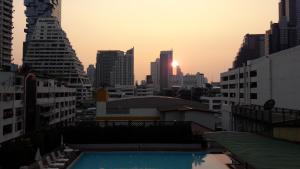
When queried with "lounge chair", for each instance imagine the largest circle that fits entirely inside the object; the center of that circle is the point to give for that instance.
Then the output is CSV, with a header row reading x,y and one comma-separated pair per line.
x,y
42,166
58,159
54,164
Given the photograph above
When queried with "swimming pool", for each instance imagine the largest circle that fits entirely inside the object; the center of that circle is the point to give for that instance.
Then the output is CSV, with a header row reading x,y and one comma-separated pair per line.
x,y
148,160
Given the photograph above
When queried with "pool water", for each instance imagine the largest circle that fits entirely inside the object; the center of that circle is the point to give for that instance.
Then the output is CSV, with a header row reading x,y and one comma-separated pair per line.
x,y
148,160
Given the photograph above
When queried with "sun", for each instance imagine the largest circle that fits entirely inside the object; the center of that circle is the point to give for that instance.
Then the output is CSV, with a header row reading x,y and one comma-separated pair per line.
x,y
174,64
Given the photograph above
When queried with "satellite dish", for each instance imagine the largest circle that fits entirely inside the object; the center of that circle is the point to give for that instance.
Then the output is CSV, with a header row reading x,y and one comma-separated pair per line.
x,y
269,105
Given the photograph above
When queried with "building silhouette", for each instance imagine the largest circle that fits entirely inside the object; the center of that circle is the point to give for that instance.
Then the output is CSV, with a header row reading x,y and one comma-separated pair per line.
x,y
286,33
253,47
155,74
6,26
91,73
166,69
115,68
47,49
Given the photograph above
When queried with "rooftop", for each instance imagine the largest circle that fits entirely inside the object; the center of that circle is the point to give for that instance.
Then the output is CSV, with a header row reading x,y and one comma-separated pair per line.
x,y
258,151
157,102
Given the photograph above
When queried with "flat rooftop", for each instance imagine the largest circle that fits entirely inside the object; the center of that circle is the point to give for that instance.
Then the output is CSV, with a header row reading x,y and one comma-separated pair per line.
x,y
258,151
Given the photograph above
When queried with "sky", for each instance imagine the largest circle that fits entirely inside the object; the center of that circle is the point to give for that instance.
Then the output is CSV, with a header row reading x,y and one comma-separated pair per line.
x,y
205,35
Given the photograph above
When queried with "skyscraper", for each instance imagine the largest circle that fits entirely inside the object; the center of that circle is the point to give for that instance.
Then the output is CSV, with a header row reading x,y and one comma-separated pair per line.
x,y
115,68
253,47
155,74
47,49
91,73
166,69
6,27
286,33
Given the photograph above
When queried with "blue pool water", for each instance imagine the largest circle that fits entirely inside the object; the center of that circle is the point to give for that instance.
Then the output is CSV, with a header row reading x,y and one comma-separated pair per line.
x,y
146,160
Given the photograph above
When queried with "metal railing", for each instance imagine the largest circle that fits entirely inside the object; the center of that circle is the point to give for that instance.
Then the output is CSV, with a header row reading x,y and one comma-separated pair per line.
x,y
256,119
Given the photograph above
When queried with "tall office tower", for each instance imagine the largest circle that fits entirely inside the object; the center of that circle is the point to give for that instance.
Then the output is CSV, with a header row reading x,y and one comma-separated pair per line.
x,y
91,73
155,74
115,68
286,33
166,69
47,49
253,47
6,27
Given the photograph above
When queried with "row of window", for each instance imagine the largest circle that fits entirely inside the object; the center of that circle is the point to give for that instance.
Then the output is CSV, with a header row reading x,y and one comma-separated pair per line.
x,y
253,96
240,75
8,129
240,85
9,113
6,97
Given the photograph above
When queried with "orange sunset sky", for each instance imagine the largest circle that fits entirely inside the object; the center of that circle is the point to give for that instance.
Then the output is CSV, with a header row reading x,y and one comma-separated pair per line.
x,y
204,34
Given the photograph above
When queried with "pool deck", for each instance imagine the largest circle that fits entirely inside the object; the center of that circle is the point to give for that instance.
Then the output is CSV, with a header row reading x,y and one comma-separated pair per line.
x,y
138,147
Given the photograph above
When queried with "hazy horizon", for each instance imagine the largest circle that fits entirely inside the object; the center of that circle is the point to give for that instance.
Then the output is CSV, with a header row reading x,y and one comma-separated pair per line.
x,y
205,35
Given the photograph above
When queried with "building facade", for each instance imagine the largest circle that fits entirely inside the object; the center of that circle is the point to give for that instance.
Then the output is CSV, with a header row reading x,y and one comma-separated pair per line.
x,y
47,50
115,68
155,74
271,77
12,117
166,69
253,47
286,33
188,81
91,73
48,102
6,26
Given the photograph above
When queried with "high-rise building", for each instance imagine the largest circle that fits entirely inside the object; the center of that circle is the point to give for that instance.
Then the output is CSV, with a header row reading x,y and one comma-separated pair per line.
x,y
91,73
253,47
155,74
115,68
166,69
47,49
286,33
6,26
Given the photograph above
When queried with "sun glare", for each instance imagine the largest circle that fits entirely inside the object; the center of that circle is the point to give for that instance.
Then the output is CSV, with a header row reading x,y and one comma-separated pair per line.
x,y
174,64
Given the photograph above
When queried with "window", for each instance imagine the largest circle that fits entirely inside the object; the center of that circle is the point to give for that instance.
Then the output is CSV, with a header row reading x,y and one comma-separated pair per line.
x,y
225,78
19,126
7,129
232,95
253,96
232,86
241,95
253,85
18,96
241,75
225,86
8,113
253,73
225,94
241,85
232,77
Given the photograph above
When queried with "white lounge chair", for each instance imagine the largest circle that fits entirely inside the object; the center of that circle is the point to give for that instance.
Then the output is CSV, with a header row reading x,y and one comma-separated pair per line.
x,y
41,165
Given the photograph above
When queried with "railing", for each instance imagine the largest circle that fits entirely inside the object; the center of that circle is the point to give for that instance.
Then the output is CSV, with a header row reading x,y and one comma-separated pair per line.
x,y
254,118
133,132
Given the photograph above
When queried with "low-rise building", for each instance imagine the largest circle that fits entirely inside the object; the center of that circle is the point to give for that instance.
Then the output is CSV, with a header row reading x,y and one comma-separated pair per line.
x,y
48,102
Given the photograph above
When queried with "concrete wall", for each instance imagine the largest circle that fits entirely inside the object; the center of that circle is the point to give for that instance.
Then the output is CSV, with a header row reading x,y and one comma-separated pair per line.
x,y
208,120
